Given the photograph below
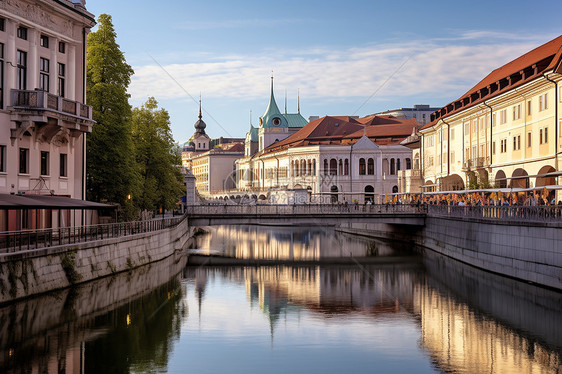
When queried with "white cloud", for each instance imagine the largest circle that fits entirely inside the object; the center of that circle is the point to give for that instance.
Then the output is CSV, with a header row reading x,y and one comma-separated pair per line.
x,y
434,67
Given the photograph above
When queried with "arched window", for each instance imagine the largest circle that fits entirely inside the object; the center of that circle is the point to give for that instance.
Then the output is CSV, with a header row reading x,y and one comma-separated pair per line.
x,y
417,162
346,167
297,171
308,167
361,166
325,166
334,191
333,167
369,194
371,166
340,167
314,167
395,189
398,164
303,167
292,168
408,164
392,166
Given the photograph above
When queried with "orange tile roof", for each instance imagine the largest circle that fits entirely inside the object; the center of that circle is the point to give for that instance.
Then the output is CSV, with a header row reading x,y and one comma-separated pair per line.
x,y
523,69
339,131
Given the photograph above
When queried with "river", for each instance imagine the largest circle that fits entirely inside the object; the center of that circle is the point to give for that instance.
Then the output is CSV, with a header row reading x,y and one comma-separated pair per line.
x,y
390,309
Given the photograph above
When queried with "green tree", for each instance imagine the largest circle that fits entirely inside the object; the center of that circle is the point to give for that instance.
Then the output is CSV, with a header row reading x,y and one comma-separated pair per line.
x,y
157,158
112,174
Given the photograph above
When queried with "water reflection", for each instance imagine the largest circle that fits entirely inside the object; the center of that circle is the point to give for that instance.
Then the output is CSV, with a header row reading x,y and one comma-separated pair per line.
x,y
291,243
405,315
61,332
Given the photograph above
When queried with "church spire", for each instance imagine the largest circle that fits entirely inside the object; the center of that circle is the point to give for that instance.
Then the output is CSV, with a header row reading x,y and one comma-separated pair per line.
x,y
298,101
200,115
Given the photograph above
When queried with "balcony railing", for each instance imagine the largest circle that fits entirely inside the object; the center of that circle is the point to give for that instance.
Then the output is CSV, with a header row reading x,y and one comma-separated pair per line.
x,y
42,100
505,214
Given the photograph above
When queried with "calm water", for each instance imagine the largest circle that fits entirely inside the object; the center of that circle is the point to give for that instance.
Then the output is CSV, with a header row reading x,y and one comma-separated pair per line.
x,y
396,313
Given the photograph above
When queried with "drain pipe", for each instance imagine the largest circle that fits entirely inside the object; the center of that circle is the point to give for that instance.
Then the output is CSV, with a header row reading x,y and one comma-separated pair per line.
x,y
491,127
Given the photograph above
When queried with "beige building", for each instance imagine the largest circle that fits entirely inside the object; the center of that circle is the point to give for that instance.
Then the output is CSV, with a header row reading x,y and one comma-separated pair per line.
x,y
212,167
42,112
505,131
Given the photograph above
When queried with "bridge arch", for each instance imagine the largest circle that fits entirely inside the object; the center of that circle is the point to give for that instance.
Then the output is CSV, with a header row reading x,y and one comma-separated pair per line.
x,y
545,181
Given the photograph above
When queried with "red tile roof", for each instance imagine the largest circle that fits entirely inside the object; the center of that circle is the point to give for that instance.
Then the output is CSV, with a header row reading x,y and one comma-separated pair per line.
x,y
339,131
523,69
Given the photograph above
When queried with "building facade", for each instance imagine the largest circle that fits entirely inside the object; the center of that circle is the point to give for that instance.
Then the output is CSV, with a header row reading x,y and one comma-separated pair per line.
x,y
42,102
504,132
336,159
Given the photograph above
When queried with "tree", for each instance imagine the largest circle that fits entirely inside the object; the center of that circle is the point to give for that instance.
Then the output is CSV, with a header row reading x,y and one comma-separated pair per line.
x,y
157,158
112,175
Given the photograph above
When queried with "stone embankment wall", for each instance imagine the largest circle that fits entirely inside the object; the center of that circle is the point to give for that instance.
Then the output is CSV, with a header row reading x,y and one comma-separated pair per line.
x,y
526,251
42,270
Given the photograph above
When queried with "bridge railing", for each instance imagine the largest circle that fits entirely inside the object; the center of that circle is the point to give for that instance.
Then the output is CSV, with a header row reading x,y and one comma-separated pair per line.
x,y
540,214
15,241
308,209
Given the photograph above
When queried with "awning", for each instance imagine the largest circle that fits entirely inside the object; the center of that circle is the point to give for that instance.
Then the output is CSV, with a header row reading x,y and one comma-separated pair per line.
x,y
8,201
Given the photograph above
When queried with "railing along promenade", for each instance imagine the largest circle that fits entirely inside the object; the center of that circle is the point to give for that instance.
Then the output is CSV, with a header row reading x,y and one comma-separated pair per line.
x,y
15,241
507,214
303,209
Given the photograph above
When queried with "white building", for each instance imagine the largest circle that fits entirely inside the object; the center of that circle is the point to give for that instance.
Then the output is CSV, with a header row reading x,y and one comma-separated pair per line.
x,y
421,113
337,159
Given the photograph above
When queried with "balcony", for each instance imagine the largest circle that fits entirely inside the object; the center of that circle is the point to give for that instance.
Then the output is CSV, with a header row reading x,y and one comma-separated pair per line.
x,y
476,163
43,107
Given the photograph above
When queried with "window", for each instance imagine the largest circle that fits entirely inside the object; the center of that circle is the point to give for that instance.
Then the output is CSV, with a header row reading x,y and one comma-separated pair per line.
x,y
466,128
1,76
493,119
493,148
543,102
2,158
24,160
44,41
517,112
2,24
22,32
44,163
60,82
362,166
346,167
63,166
409,162
546,134
543,135
392,166
517,142
529,138
503,116
370,166
503,146
529,107
540,137
62,47
44,75
22,69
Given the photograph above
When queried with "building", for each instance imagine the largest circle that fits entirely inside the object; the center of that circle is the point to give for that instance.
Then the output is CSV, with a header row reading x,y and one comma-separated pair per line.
x,y
211,161
42,109
337,159
421,113
505,131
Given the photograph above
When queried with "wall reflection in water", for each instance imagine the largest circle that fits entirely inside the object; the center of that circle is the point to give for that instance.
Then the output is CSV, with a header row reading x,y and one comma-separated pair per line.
x,y
88,328
291,243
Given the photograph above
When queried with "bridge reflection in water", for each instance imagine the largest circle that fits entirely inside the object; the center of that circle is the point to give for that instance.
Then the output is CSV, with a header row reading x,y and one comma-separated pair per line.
x,y
408,315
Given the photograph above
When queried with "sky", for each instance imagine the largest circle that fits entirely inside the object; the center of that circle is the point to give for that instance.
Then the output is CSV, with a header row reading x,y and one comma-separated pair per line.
x,y
340,57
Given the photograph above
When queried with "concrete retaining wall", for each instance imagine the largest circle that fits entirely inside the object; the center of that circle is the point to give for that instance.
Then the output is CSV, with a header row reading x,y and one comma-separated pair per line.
x,y
529,252
33,272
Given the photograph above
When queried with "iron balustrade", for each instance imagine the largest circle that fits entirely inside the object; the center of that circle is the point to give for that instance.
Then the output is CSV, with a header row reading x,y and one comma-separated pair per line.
x,y
515,214
304,209
15,241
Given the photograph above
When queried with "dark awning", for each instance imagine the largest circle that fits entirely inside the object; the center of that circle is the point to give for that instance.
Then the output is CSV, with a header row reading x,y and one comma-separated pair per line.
x,y
8,201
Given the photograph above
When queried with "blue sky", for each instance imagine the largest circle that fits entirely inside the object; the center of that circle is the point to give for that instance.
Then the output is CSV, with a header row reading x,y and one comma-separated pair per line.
x,y
344,57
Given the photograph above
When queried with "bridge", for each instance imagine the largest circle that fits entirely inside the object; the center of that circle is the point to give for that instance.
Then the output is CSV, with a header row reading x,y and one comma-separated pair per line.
x,y
309,214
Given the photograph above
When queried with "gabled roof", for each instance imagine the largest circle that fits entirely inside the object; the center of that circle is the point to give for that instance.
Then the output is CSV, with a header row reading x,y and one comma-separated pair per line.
x,y
522,70
337,131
